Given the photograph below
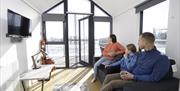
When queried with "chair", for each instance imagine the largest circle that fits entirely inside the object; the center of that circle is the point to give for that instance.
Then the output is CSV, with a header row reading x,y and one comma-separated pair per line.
x,y
37,60
40,59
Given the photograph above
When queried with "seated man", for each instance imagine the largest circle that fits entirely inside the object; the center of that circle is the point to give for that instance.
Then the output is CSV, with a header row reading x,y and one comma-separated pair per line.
x,y
151,66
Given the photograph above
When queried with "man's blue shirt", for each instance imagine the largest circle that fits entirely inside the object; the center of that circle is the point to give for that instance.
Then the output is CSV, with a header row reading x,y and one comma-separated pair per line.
x,y
150,66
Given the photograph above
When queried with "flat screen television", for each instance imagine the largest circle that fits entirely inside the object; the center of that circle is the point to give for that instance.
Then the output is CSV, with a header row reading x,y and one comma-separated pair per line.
x,y
18,25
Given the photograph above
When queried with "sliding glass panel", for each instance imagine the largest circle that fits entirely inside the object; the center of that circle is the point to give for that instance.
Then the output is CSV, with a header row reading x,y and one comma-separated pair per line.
x,y
57,53
54,31
101,33
79,6
155,20
57,10
99,12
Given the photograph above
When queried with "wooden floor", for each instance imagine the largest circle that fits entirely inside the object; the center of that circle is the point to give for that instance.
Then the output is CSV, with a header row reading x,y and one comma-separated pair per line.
x,y
61,76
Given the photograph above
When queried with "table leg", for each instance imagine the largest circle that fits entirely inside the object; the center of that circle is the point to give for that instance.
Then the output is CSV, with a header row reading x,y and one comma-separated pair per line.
x,y
24,89
42,85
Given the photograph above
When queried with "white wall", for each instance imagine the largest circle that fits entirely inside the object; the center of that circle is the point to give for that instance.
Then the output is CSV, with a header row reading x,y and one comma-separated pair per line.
x,y
14,57
173,48
126,27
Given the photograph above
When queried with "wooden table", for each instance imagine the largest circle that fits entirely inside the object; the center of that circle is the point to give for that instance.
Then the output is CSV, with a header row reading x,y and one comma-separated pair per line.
x,y
42,74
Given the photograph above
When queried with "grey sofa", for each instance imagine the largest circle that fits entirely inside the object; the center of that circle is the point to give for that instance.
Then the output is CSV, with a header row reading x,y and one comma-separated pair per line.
x,y
169,83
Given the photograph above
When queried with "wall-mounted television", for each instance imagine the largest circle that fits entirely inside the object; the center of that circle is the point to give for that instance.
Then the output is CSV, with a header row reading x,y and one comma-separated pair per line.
x,y
18,25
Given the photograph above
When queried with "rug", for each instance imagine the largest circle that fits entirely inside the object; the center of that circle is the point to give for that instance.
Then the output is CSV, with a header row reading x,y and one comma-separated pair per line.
x,y
71,87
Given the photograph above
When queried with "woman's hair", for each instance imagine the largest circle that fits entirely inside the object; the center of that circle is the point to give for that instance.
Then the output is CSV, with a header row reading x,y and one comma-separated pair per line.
x,y
113,37
131,47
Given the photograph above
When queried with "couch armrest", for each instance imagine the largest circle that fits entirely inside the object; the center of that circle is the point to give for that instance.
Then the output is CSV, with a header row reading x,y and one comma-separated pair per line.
x,y
109,70
165,85
95,59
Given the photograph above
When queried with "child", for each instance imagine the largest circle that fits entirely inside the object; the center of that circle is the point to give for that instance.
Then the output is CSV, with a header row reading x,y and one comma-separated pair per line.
x,y
128,61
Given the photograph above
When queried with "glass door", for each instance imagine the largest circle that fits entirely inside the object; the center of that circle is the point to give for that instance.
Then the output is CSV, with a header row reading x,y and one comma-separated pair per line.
x,y
73,40
78,34
84,41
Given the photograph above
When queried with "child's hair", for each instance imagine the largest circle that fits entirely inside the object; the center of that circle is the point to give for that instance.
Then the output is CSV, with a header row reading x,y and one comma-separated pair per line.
x,y
131,47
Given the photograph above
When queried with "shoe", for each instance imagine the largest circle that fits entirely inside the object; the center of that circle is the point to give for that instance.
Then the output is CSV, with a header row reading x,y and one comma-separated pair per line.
x,y
93,80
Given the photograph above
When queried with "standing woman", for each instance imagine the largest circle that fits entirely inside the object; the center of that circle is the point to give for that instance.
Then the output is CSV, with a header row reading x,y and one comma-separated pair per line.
x,y
112,49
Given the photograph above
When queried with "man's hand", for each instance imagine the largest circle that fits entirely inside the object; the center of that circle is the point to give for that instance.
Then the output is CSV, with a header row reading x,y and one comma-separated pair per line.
x,y
126,75
123,72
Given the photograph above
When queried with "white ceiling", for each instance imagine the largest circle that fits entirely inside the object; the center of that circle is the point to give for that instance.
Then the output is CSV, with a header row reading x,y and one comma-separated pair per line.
x,y
41,5
114,7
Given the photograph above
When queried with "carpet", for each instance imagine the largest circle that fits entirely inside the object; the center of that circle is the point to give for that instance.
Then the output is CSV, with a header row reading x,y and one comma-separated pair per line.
x,y
71,87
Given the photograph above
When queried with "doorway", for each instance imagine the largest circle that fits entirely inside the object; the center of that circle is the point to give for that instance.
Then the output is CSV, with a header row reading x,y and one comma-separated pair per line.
x,y
78,36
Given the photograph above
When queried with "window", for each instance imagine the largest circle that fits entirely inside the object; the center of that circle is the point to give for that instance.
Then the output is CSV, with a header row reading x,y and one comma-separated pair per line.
x,y
101,34
57,53
155,20
69,38
54,31
79,6
99,12
102,30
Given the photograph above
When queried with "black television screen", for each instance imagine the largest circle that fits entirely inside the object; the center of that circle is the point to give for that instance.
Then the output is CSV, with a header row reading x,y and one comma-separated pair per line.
x,y
18,24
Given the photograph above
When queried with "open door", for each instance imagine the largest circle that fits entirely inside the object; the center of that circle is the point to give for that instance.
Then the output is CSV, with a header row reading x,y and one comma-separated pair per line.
x,y
84,41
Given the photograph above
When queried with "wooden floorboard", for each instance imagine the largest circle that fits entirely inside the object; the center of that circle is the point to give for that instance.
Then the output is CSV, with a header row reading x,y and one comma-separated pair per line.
x,y
62,76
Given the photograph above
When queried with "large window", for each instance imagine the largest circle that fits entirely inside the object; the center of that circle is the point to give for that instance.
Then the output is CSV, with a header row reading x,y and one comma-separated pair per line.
x,y
75,30
55,42
155,20
54,34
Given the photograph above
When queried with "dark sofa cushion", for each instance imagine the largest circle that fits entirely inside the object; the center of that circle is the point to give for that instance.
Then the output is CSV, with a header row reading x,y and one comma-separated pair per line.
x,y
164,85
102,72
168,83
169,75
